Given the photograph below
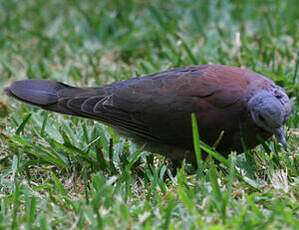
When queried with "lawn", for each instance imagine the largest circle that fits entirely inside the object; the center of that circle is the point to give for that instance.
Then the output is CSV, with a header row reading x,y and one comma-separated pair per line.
x,y
63,172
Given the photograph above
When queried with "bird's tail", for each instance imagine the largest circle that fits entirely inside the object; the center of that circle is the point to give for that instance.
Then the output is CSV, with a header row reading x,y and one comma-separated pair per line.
x,y
45,94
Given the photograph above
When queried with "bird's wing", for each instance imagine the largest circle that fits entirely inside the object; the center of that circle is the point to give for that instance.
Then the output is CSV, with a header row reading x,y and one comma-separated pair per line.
x,y
161,103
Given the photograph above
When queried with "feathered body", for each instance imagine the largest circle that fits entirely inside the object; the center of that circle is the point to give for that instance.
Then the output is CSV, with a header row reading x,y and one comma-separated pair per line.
x,y
156,109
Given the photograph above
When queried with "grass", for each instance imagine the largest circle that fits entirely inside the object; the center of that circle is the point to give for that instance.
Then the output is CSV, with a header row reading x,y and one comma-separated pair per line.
x,y
60,172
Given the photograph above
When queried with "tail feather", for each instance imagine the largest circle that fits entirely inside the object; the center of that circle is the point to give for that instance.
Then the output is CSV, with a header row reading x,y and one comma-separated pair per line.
x,y
36,91
41,93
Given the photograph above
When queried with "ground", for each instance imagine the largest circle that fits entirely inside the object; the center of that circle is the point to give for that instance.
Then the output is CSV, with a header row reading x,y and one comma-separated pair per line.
x,y
61,172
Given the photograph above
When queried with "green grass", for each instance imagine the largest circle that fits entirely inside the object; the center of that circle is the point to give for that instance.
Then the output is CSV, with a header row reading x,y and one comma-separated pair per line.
x,y
60,172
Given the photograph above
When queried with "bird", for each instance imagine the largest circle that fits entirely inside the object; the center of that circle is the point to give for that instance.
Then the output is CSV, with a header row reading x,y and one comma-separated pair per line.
x,y
155,110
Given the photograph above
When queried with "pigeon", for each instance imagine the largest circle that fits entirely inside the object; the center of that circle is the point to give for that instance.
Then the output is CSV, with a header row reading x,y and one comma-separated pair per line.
x,y
155,110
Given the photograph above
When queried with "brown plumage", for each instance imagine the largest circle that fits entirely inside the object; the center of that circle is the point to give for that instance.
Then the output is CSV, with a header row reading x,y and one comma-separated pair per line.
x,y
156,109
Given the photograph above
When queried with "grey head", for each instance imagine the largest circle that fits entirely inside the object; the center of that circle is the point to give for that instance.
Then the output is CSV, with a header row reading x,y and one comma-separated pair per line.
x,y
270,110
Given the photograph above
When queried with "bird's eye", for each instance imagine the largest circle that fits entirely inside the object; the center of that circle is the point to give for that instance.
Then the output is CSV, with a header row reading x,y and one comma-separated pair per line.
x,y
261,118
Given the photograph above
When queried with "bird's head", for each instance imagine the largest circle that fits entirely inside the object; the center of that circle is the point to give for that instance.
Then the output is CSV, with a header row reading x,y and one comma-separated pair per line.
x,y
270,111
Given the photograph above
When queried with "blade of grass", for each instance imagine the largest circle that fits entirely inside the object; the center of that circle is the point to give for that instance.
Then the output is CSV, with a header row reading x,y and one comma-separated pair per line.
x,y
22,125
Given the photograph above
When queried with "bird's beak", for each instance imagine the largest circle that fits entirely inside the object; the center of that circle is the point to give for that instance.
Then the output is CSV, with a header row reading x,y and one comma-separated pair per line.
x,y
279,133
